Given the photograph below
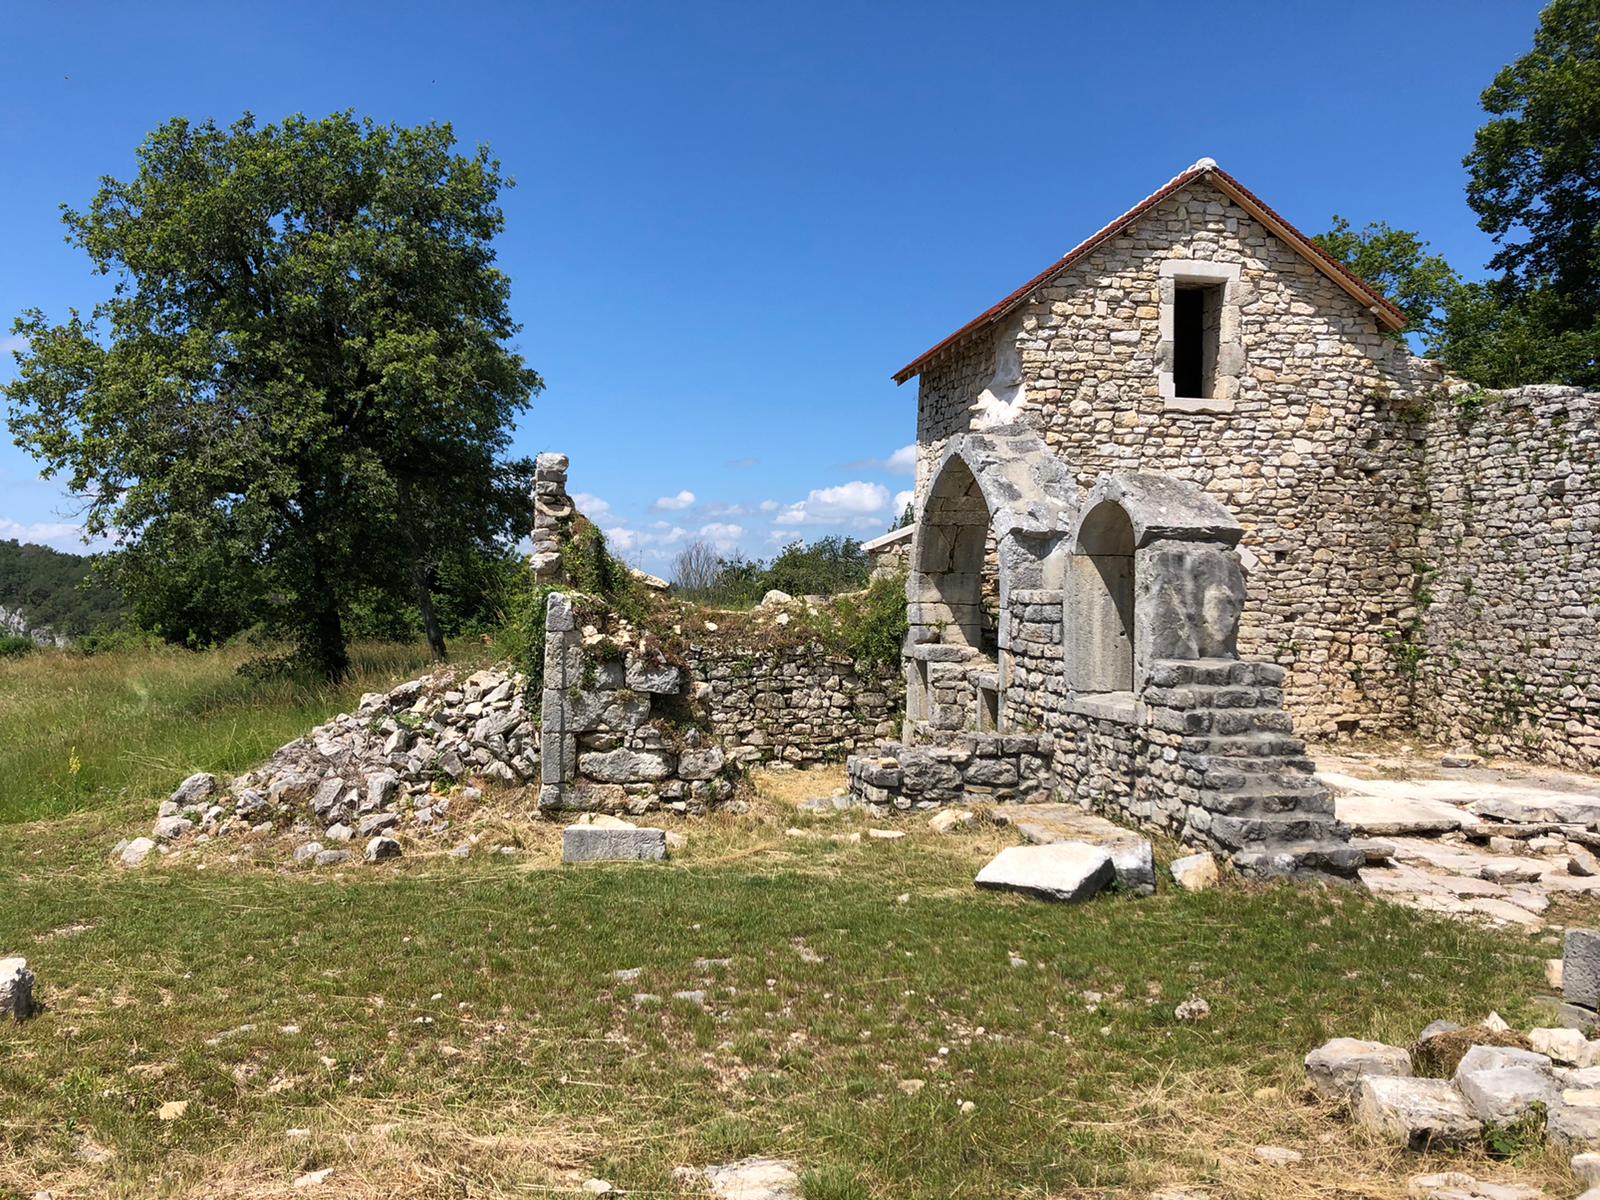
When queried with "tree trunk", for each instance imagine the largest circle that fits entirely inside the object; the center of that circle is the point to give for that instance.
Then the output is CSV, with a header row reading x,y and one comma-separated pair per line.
x,y
325,637
422,578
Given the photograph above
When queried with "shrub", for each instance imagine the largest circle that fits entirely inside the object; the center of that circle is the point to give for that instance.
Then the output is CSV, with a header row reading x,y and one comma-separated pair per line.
x,y
15,647
873,624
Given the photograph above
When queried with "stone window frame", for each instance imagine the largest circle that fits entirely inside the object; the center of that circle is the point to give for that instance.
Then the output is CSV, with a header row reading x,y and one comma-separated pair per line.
x,y
1230,346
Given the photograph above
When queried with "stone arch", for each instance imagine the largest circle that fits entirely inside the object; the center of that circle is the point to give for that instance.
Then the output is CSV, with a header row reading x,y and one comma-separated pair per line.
x,y
951,553
991,510
1009,482
1098,621
1152,574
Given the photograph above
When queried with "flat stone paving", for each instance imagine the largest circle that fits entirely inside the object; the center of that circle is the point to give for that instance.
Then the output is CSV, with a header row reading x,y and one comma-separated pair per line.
x,y
1436,837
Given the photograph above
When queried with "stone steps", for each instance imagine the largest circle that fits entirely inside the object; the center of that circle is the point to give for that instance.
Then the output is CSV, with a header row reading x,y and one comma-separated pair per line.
x,y
1270,832
1272,802
1257,744
1306,858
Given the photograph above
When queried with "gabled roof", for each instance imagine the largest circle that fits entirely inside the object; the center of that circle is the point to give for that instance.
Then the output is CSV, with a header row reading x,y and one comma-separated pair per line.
x,y
1206,169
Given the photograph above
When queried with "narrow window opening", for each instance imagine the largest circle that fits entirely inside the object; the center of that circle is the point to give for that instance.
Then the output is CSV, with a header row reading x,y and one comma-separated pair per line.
x,y
1196,334
988,709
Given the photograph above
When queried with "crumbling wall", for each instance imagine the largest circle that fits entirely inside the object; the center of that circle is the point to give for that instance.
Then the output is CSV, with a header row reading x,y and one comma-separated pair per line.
x,y
615,736
553,513
800,705
627,727
1507,638
975,768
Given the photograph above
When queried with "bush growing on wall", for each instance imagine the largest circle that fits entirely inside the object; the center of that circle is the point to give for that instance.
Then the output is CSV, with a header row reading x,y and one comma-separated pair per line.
x,y
873,623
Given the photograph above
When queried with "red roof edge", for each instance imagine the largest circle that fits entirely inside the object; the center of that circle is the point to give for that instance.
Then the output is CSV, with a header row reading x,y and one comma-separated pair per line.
x,y
1358,288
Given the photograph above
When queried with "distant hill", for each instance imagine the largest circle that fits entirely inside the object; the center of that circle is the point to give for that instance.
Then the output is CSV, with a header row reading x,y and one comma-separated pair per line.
x,y
47,595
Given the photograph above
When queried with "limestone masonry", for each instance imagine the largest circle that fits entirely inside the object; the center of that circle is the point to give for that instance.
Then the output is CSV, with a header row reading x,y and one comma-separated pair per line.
x,y
1189,482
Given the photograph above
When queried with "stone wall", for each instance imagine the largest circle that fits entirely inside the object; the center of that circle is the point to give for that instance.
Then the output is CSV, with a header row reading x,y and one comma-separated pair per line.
x,y
628,728
976,768
800,705
1312,449
1509,603
614,735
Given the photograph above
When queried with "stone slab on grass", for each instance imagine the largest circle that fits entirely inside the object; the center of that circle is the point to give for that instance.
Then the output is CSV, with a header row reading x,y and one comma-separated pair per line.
x,y
598,843
1421,1114
1132,858
755,1179
1336,1069
1064,871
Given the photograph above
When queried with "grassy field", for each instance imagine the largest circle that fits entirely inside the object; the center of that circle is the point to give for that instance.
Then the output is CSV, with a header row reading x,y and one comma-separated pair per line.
x,y
82,732
445,1028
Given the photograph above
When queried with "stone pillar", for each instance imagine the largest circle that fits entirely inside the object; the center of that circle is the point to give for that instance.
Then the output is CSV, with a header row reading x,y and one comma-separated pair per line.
x,y
563,665
552,515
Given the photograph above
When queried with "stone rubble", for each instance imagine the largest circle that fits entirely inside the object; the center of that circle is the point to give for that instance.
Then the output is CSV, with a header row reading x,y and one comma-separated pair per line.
x,y
392,767
1553,1088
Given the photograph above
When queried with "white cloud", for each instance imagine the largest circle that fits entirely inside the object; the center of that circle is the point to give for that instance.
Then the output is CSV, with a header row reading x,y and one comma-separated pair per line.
x,y
12,343
63,535
903,461
725,510
770,506
623,539
901,499
660,535
682,500
591,506
855,503
722,535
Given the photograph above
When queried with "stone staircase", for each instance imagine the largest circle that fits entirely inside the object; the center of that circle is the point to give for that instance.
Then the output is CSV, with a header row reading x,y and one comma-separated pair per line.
x,y
1256,794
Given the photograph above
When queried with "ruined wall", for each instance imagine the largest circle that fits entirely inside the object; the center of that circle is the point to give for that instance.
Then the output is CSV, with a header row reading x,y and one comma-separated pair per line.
x,y
800,705
975,768
1311,449
1506,644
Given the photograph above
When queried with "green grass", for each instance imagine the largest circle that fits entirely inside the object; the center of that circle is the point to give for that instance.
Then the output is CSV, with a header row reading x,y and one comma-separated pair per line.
x,y
467,1011
82,731
440,1028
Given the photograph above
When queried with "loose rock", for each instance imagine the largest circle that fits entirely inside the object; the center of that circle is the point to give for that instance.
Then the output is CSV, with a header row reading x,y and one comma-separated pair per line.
x,y
1196,873
1420,1114
1336,1069
16,989
755,1179
1066,871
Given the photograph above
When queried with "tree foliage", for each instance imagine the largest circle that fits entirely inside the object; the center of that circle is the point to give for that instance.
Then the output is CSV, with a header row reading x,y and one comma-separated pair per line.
x,y
1534,181
1535,185
300,388
825,567
1396,262
59,591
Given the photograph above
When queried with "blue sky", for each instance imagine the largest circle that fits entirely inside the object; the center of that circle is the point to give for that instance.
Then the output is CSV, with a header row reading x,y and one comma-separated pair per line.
x,y
734,221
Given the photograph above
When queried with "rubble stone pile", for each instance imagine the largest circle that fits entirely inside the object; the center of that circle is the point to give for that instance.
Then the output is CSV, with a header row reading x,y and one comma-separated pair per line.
x,y
393,765
1487,1081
